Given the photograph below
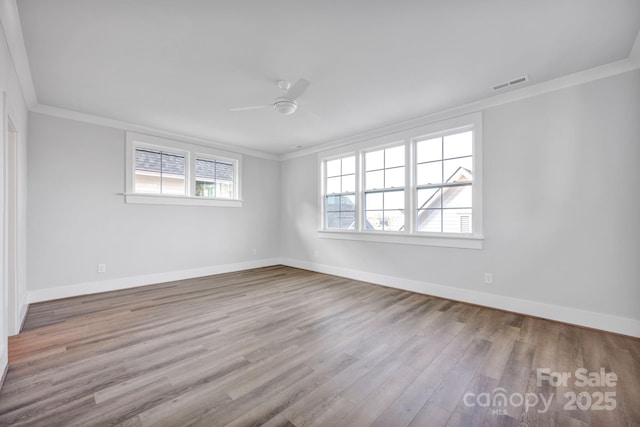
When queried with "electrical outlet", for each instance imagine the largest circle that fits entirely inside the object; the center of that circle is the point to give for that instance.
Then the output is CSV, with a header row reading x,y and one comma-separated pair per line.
x,y
254,251
102,268
488,278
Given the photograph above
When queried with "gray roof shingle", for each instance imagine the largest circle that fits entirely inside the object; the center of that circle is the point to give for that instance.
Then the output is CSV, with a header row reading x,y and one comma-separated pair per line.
x,y
156,161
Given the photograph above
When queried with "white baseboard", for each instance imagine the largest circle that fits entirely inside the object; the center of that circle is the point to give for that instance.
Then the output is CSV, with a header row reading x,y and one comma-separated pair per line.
x,y
590,319
87,288
22,315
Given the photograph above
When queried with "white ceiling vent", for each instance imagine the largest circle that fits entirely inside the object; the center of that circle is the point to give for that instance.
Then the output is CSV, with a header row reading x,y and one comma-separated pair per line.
x,y
510,83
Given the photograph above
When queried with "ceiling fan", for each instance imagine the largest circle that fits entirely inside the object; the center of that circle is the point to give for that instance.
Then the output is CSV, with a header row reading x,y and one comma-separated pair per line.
x,y
286,103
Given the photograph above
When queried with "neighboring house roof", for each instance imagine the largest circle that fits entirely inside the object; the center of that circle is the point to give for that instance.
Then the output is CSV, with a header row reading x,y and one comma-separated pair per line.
x,y
333,204
156,161
214,169
340,204
457,176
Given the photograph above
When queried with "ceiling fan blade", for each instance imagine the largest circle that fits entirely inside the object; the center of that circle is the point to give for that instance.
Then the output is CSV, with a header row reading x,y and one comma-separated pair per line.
x,y
310,113
255,107
297,89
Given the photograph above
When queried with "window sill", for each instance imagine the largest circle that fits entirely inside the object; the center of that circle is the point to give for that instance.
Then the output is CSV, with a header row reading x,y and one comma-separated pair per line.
x,y
155,199
445,240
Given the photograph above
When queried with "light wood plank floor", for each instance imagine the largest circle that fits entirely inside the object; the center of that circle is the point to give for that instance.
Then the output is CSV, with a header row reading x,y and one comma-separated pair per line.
x,y
280,346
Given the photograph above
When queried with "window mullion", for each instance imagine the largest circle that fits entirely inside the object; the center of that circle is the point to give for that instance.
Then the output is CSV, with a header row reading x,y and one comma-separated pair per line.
x,y
190,180
359,191
410,192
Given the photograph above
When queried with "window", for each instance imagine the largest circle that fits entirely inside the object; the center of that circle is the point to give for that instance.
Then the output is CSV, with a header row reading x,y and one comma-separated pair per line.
x,y
214,178
340,194
425,188
384,189
162,171
444,179
159,172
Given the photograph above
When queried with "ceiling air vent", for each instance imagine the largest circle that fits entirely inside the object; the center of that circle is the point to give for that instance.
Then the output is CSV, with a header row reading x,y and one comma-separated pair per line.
x,y
510,83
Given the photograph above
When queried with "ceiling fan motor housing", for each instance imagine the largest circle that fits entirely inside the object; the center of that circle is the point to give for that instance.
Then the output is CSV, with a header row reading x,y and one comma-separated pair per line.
x,y
285,106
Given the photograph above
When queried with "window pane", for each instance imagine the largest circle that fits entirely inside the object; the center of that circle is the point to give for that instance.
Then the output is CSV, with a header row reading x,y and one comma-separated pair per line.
x,y
394,178
393,220
374,220
205,169
333,167
173,180
429,150
348,222
347,203
373,201
205,189
333,185
147,173
456,220
458,145
332,203
224,189
429,198
172,164
390,220
147,182
458,170
349,184
394,157
173,185
393,200
224,171
348,165
430,220
374,160
374,180
457,197
333,220
429,173
147,160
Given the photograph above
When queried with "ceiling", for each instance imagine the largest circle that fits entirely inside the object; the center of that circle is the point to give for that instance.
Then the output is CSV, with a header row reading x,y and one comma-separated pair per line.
x,y
179,66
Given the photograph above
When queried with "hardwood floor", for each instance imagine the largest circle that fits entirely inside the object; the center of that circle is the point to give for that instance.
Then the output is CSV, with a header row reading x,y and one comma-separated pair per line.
x,y
280,346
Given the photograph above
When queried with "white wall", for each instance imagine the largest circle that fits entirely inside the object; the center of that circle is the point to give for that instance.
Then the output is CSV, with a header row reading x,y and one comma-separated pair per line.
x,y
17,110
561,214
78,218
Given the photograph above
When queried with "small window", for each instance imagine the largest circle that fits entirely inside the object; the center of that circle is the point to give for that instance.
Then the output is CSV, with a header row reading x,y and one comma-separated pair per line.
x,y
159,172
214,178
162,171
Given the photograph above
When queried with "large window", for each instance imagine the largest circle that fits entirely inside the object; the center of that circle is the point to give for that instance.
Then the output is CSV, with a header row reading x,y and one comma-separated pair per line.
x,y
425,188
162,171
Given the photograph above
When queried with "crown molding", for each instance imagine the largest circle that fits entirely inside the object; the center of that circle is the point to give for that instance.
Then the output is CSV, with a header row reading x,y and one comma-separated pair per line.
x,y
10,21
132,127
575,79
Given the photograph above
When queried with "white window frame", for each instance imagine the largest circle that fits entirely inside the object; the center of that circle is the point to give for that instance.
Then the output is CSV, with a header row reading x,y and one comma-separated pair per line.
x,y
323,183
191,152
409,235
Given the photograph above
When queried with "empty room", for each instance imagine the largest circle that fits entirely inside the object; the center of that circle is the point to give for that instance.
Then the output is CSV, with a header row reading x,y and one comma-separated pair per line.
x,y
320,213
